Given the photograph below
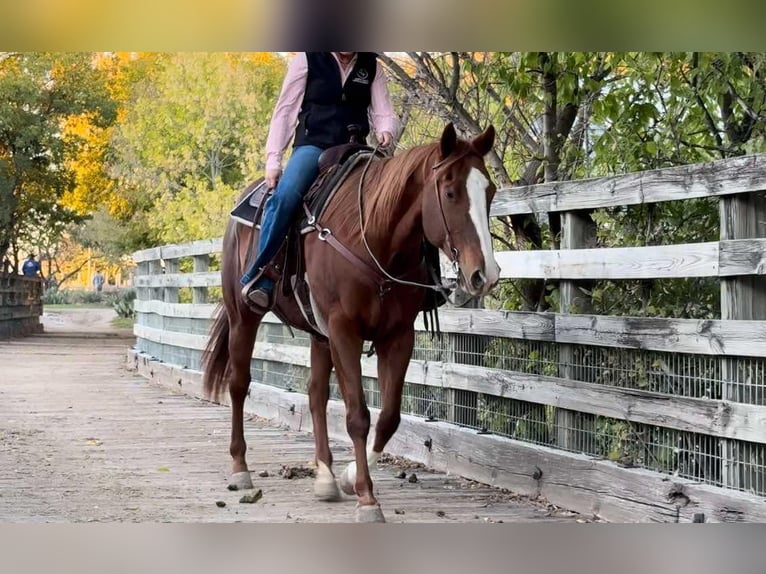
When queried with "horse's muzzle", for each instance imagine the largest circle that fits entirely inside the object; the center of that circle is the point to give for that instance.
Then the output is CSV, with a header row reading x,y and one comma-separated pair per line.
x,y
478,284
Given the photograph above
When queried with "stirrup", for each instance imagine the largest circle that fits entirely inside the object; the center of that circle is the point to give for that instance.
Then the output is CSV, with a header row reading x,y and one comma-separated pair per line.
x,y
260,294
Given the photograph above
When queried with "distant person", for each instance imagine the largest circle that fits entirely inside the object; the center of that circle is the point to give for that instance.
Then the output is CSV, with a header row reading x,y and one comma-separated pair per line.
x,y
98,281
7,266
31,267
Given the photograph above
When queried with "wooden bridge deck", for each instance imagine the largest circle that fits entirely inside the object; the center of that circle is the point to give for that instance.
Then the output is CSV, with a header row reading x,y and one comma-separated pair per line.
x,y
83,439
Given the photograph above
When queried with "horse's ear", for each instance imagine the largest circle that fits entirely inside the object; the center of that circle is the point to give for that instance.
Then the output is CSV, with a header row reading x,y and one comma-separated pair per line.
x,y
483,142
449,140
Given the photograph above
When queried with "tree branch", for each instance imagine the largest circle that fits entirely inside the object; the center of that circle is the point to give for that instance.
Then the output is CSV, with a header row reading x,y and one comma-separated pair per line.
x,y
695,86
455,80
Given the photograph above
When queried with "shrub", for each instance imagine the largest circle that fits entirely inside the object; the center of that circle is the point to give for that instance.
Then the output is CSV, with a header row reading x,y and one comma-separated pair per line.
x,y
124,303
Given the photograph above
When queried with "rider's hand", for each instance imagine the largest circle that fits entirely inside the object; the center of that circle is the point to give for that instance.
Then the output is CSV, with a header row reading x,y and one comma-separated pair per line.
x,y
385,139
272,177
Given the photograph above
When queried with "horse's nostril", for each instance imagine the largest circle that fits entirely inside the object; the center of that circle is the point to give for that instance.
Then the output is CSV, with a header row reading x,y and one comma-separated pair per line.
x,y
478,280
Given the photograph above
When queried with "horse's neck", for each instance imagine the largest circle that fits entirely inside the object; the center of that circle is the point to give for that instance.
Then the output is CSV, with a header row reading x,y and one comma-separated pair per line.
x,y
398,234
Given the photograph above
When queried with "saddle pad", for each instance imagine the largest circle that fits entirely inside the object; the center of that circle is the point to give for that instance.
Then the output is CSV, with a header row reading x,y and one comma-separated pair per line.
x,y
246,209
322,190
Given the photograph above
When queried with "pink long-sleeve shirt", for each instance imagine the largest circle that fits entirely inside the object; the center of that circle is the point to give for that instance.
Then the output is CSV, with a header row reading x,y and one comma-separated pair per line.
x,y
285,117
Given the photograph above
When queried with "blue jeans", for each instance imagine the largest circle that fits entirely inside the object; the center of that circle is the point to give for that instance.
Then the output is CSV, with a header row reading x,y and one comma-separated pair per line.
x,y
281,208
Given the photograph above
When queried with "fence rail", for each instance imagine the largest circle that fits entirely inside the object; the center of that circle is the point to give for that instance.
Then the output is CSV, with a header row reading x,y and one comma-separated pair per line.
x,y
20,306
684,400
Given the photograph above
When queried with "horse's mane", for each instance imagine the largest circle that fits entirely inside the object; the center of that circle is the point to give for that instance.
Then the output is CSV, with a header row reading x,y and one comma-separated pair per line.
x,y
385,184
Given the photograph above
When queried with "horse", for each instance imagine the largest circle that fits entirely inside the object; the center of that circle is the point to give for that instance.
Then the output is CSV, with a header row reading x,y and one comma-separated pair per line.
x,y
380,216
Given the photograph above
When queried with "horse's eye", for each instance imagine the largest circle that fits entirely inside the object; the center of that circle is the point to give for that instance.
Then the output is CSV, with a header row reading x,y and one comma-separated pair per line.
x,y
450,194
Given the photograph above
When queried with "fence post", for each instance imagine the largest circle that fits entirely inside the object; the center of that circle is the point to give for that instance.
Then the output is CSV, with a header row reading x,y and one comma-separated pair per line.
x,y
743,216
155,268
201,264
170,294
577,232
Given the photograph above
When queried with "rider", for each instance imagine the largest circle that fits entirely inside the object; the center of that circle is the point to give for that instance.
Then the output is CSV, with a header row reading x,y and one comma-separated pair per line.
x,y
325,93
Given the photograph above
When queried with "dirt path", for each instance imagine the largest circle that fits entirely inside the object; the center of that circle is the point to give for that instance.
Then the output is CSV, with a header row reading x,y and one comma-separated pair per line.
x,y
82,439
82,323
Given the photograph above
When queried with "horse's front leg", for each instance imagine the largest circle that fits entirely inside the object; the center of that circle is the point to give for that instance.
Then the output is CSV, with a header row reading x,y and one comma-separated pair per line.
x,y
241,340
325,487
394,353
346,348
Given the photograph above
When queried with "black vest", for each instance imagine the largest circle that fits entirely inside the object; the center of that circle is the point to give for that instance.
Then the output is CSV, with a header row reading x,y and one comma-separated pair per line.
x,y
328,107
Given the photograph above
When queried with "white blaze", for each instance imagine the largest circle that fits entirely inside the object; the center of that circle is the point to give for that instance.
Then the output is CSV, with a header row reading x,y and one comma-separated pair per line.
x,y
476,185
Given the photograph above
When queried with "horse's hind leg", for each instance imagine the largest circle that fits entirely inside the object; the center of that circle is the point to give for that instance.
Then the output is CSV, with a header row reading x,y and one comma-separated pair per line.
x,y
325,487
241,340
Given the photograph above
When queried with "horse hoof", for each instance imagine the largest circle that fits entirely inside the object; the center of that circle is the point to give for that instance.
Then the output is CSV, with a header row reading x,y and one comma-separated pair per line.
x,y
240,481
325,487
369,514
326,490
348,479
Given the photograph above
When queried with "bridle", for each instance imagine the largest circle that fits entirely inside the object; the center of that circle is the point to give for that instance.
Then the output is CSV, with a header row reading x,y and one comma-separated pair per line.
x,y
448,236
453,251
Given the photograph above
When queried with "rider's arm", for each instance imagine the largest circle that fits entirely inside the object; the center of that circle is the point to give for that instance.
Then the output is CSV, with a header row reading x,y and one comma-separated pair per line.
x,y
286,111
381,111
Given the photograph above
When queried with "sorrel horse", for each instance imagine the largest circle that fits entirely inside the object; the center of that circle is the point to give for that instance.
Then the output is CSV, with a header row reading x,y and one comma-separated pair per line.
x,y
439,192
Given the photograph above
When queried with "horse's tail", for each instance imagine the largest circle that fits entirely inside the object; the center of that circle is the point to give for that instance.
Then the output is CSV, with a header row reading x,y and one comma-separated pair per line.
x,y
215,357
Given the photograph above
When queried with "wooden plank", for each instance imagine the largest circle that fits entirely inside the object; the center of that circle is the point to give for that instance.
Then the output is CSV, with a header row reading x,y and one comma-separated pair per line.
x,y
207,279
201,265
20,312
496,323
710,259
702,337
654,262
742,298
186,310
155,272
98,444
177,310
578,231
170,293
742,257
201,247
586,485
178,250
724,177
705,416
145,255
418,372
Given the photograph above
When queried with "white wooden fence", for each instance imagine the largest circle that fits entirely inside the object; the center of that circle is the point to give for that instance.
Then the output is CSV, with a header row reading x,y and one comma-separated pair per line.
x,y
630,418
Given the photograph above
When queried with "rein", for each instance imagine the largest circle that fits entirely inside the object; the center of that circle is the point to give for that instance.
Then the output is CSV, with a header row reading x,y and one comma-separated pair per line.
x,y
453,250
378,275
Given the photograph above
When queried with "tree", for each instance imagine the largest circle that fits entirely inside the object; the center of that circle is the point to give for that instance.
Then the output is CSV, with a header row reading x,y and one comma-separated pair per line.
x,y
571,115
192,136
38,93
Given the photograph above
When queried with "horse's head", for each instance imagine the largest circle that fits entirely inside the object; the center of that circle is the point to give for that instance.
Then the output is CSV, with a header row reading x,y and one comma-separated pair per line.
x,y
456,209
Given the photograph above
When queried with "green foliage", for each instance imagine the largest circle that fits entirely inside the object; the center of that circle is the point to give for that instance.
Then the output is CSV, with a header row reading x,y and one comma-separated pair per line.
x,y
615,113
124,304
38,93
108,236
193,135
112,298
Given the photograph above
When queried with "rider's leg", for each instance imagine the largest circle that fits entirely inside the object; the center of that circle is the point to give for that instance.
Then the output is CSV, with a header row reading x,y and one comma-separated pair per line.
x,y
278,214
